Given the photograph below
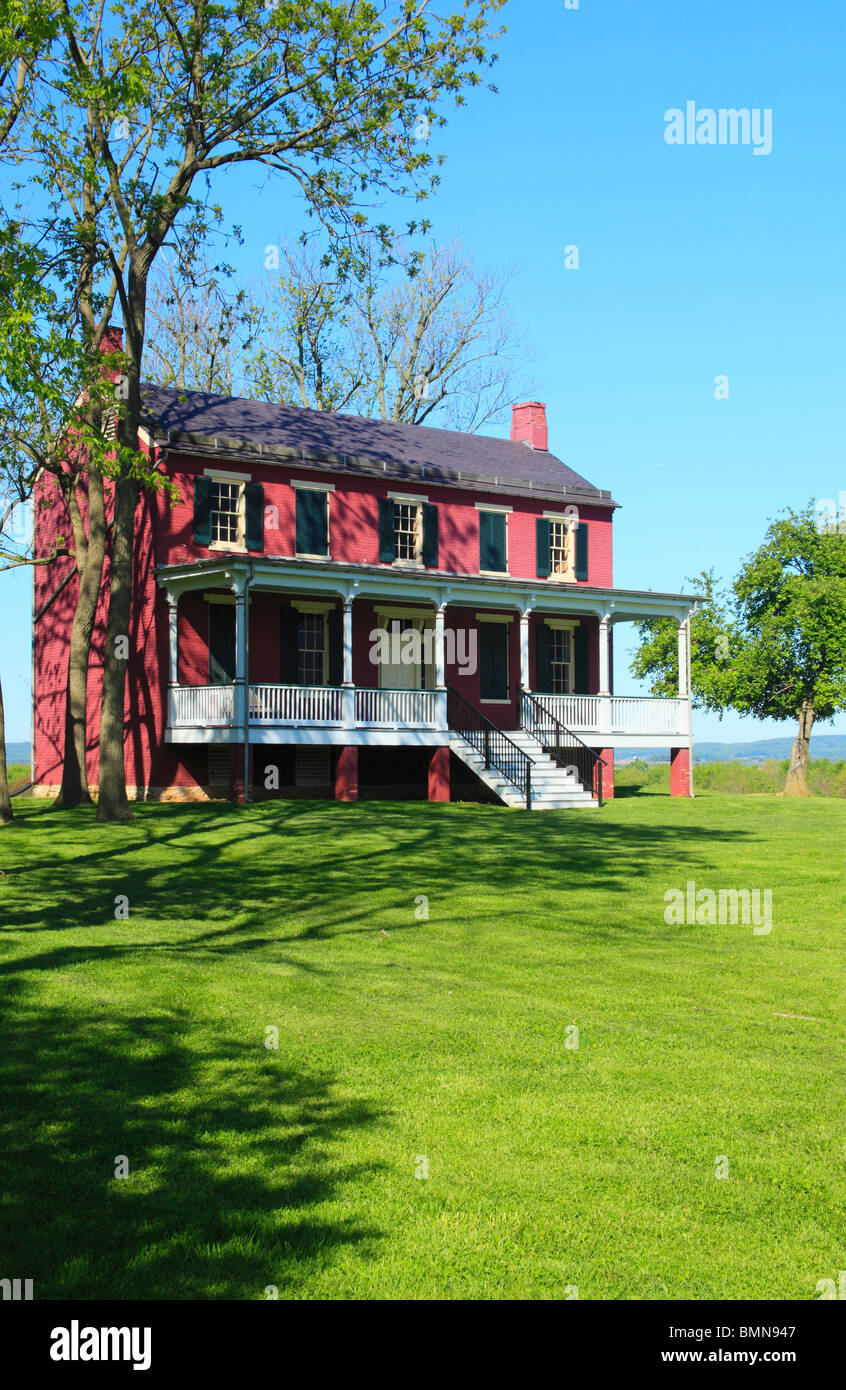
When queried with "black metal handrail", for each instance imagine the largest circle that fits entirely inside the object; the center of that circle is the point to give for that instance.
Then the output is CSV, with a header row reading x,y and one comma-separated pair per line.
x,y
566,750
491,743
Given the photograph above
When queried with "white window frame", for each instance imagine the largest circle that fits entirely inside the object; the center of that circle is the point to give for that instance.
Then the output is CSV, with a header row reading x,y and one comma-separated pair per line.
x,y
407,563
220,475
500,511
566,625
568,575
314,487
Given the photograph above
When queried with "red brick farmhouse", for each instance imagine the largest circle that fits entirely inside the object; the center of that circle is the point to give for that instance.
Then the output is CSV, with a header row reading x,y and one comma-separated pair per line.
x,y
341,603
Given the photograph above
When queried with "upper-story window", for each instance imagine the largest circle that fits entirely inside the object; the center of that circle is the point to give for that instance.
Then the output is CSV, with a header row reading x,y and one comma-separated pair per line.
x,y
228,511
562,548
561,557
312,519
408,532
493,540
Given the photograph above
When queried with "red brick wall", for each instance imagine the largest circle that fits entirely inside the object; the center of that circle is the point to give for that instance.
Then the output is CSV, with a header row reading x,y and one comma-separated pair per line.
x,y
353,521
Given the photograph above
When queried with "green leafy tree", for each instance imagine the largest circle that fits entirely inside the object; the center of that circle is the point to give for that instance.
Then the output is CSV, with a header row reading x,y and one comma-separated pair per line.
x,y
132,113
775,646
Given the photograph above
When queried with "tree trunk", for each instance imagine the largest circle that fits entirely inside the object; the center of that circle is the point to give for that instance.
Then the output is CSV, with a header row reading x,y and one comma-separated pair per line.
x,y
113,804
74,789
5,799
797,773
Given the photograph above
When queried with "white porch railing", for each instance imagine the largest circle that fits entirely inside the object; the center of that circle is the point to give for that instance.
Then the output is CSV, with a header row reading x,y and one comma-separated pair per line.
x,y
296,704
405,709
616,714
331,706
201,704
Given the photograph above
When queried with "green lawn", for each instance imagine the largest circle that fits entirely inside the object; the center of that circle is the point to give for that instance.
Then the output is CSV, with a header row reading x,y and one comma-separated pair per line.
x,y
403,1040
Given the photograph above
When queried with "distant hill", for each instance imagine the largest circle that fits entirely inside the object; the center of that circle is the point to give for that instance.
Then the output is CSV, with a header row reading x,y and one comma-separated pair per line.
x,y
830,746
17,752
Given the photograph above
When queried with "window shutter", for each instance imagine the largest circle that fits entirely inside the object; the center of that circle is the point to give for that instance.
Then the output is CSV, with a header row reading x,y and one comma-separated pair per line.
x,y
581,677
202,511
312,530
254,510
336,646
221,643
544,563
288,621
387,542
543,665
430,536
492,541
582,550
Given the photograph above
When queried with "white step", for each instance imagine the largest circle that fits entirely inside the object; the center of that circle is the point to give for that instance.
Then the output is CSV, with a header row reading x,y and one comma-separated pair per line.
x,y
553,789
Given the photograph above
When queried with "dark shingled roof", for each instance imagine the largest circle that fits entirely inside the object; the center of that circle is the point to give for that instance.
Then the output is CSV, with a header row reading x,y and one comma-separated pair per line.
x,y
317,434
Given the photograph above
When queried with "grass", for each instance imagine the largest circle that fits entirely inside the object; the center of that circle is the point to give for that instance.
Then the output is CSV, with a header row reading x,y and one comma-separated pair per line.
x,y
403,1039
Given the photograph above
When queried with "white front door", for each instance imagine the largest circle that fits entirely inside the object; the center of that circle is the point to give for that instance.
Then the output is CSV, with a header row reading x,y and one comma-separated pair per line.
x,y
405,667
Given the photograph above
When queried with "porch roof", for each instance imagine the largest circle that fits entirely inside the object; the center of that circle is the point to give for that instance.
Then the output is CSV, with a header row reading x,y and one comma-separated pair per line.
x,y
349,581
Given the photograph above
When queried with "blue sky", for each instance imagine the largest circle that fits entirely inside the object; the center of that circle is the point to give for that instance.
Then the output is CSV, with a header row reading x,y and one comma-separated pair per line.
x,y
694,262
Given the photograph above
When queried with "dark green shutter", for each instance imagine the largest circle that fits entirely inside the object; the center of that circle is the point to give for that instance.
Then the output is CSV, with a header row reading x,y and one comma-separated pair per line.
x,y
254,509
493,661
492,541
582,671
582,550
544,562
543,665
288,622
336,646
221,643
430,536
312,530
202,511
387,541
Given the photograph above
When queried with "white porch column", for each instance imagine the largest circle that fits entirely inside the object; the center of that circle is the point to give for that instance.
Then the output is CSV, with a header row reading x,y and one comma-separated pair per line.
x,y
173,637
683,659
440,668
604,658
348,697
440,659
240,704
524,649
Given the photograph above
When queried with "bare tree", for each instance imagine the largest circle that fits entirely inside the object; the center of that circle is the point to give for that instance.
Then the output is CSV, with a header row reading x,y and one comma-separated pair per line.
x,y
428,337
197,332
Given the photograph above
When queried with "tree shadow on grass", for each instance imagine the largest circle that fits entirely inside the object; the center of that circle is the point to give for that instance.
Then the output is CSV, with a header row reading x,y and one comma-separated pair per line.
x,y
236,1166
269,876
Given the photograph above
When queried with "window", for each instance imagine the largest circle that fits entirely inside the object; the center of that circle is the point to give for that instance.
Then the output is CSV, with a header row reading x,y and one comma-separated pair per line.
x,y
560,660
560,550
493,662
311,648
493,545
408,532
312,521
226,517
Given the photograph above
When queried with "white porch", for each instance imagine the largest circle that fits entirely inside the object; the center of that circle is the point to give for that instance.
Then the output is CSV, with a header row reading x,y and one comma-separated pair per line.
x,y
346,713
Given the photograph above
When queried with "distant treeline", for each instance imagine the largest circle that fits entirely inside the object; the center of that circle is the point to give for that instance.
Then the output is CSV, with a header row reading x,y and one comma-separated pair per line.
x,y
825,778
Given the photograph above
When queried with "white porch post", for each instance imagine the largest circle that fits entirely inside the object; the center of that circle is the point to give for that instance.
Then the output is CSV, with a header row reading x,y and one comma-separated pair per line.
x,y
348,697
604,659
524,649
173,637
440,667
239,699
683,659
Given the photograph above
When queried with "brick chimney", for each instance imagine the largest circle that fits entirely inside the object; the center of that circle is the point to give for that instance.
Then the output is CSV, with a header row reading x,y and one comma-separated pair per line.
x,y
528,424
112,341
